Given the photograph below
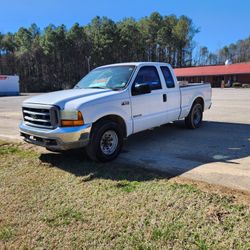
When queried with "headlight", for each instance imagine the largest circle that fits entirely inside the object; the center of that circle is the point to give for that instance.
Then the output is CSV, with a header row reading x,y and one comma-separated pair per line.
x,y
70,118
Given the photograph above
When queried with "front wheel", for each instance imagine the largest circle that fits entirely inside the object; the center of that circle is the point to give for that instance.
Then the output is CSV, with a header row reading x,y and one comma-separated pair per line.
x,y
194,118
106,141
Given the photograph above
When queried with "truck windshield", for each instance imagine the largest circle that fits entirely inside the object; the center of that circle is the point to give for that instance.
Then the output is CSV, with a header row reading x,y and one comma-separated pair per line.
x,y
113,77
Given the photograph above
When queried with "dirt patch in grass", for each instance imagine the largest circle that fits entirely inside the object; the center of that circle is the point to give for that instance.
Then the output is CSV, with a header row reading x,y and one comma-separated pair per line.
x,y
64,201
237,196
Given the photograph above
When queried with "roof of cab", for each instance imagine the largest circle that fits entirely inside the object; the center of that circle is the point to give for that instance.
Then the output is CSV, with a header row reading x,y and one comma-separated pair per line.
x,y
136,64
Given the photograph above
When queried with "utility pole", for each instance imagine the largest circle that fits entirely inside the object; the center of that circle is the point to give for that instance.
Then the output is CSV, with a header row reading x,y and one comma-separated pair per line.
x,y
157,53
88,61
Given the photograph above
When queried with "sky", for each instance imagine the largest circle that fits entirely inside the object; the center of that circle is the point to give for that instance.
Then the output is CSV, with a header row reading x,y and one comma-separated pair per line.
x,y
221,22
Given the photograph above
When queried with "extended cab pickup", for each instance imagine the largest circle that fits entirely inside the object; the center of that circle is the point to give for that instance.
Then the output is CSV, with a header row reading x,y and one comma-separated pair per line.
x,y
109,104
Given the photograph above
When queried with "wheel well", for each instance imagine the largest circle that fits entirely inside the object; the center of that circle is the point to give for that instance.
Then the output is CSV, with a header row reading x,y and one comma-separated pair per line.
x,y
117,119
200,101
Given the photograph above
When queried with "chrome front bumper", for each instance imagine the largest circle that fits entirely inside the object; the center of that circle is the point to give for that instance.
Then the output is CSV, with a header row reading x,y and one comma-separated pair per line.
x,y
58,138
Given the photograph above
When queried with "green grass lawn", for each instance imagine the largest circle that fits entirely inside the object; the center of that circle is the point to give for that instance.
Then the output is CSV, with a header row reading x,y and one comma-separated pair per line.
x,y
63,201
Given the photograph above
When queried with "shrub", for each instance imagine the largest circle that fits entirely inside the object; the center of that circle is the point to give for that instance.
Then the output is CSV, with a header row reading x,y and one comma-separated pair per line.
x,y
236,85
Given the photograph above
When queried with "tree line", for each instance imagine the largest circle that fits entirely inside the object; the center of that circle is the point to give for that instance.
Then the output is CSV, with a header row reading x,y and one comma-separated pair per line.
x,y
236,52
56,57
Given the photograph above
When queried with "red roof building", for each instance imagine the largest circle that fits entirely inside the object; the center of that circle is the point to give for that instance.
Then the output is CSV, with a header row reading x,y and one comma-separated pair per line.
x,y
216,74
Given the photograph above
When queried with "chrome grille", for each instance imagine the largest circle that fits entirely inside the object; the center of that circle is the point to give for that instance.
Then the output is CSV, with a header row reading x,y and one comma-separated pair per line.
x,y
41,116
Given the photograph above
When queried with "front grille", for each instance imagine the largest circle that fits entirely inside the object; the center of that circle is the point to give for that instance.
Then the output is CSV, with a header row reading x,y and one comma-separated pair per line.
x,y
41,116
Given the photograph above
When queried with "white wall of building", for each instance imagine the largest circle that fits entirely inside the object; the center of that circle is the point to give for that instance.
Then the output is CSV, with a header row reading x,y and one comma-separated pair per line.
x,y
9,85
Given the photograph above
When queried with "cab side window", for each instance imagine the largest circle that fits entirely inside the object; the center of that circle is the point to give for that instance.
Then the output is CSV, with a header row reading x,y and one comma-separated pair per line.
x,y
149,75
168,77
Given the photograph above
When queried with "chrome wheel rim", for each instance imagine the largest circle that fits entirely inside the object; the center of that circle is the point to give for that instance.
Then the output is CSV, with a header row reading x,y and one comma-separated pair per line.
x,y
109,142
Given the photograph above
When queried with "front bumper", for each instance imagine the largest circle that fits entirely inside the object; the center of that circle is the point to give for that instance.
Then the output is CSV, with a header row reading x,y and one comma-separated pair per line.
x,y
58,138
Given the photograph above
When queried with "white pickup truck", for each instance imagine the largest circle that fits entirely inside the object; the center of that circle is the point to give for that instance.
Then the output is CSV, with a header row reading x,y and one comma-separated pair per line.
x,y
109,104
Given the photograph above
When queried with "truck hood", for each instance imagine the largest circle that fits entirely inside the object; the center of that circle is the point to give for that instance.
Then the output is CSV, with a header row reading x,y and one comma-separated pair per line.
x,y
60,98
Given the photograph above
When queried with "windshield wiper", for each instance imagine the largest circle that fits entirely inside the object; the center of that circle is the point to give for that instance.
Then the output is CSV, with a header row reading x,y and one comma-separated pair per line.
x,y
97,87
115,89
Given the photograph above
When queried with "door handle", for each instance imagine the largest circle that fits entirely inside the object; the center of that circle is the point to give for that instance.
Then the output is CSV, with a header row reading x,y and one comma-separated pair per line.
x,y
164,97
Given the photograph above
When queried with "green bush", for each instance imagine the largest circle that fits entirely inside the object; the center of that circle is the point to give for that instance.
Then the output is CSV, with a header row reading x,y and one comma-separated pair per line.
x,y
236,85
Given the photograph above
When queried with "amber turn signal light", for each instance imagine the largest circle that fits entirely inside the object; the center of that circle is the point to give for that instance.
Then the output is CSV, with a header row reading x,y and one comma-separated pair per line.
x,y
73,123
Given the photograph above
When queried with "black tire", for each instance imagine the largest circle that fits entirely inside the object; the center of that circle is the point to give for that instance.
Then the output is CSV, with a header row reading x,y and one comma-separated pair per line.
x,y
95,149
194,118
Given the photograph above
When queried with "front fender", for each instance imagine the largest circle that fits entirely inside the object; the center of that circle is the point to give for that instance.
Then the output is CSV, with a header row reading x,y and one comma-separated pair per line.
x,y
93,113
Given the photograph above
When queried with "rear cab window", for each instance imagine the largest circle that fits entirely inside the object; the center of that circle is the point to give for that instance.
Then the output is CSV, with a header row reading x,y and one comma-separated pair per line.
x,y
168,77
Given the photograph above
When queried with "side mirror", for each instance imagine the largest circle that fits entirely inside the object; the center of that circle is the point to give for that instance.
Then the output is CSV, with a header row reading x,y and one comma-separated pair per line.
x,y
143,88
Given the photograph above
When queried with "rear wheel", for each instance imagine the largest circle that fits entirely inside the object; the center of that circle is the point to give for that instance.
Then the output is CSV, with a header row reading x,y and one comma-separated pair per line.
x,y
194,118
106,141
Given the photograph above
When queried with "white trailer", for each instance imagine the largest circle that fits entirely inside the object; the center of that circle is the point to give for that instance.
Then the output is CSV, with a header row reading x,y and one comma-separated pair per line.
x,y
9,85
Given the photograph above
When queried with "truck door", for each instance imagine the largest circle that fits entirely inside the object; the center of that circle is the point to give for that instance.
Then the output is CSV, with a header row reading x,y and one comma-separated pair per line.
x,y
148,109
172,93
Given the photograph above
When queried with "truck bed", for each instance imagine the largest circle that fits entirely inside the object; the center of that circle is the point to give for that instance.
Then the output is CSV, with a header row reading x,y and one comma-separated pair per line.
x,y
191,84
188,94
